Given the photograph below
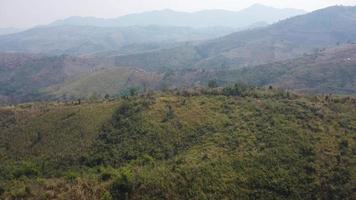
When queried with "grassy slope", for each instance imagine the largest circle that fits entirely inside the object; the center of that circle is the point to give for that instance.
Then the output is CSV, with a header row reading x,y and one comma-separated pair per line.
x,y
101,82
107,81
51,131
262,146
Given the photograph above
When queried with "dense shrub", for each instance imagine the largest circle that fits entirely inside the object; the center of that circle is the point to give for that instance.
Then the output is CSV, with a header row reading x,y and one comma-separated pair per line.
x,y
122,187
26,169
238,89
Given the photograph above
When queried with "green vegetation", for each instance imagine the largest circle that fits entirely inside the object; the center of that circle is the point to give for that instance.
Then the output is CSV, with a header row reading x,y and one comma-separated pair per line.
x,y
233,143
101,82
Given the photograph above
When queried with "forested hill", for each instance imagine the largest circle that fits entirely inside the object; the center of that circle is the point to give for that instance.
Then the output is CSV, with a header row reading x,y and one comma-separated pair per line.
x,y
236,142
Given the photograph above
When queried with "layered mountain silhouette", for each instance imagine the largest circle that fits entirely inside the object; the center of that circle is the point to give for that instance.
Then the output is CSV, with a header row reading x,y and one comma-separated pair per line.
x,y
137,32
206,18
312,52
80,40
284,40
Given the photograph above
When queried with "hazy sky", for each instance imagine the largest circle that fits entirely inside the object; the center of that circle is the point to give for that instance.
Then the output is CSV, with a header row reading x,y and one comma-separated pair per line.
x,y
27,13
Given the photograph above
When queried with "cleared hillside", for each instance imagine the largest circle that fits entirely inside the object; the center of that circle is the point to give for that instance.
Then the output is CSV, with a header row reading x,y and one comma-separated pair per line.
x,y
111,82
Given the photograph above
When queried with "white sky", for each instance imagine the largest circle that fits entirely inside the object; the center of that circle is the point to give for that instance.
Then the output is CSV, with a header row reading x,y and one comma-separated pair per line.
x,y
27,13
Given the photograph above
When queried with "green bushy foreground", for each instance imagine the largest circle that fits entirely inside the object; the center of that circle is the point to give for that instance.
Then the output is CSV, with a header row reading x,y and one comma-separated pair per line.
x,y
232,143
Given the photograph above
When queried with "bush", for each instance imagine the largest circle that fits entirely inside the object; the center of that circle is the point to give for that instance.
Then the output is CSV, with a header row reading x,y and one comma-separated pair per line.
x,y
71,177
20,192
106,175
239,89
2,190
106,196
26,169
169,113
212,84
122,187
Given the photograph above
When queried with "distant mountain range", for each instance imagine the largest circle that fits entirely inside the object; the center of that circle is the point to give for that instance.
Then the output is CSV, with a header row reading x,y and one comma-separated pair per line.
x,y
314,52
80,40
284,40
138,33
207,18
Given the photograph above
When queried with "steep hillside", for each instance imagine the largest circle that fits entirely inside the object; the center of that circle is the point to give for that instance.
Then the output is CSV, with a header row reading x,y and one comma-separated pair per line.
x,y
206,18
233,143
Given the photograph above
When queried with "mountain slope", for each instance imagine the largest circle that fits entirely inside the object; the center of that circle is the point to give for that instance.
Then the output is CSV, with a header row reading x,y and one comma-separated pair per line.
x,y
329,71
23,75
332,70
28,77
206,18
193,64
111,82
287,39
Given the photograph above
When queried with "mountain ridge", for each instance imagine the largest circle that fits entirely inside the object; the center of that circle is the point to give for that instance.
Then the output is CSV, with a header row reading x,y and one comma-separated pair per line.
x,y
168,17
258,46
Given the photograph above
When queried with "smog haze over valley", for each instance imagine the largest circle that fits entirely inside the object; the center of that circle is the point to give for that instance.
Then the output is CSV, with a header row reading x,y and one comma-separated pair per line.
x,y
177,99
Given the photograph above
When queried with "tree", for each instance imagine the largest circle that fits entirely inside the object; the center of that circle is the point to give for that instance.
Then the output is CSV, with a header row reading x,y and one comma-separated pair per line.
x,y
212,84
169,113
133,91
122,187
94,97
